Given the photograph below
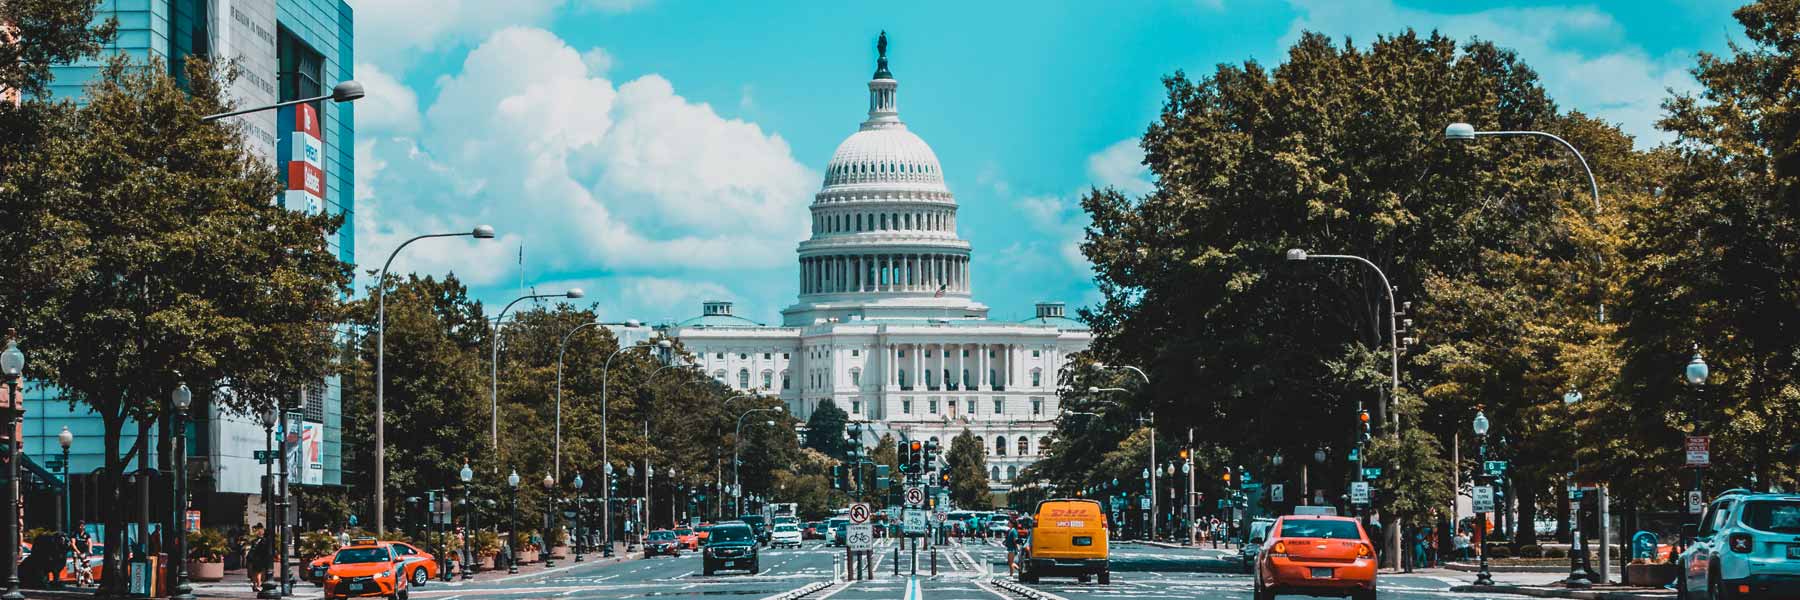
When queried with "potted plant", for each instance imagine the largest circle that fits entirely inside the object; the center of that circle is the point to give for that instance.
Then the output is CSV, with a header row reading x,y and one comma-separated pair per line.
x,y
487,546
1648,573
558,540
206,555
528,549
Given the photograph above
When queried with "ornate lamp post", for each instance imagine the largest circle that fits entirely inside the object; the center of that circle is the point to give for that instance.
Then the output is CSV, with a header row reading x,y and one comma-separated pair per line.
x,y
1482,577
550,520
467,475
512,524
270,589
1695,375
66,438
630,536
578,540
181,400
12,366
606,513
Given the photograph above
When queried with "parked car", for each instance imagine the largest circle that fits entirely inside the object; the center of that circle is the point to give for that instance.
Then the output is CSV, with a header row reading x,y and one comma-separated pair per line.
x,y
367,570
660,542
1747,545
732,546
785,535
1315,555
1254,536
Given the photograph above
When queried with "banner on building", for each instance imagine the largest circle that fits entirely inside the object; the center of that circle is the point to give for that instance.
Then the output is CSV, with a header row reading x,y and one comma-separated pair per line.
x,y
306,164
312,453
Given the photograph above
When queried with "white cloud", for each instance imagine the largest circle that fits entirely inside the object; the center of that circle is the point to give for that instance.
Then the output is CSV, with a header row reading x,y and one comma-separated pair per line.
x,y
1121,165
590,175
614,5
1623,84
390,106
598,60
392,32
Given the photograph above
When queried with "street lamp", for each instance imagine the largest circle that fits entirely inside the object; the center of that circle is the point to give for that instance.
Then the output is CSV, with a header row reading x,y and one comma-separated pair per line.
x,y
1696,371
181,400
345,91
737,445
550,521
512,524
66,439
1483,576
12,366
1299,255
578,540
630,537
1695,375
270,589
494,360
481,232
605,449
467,475
562,347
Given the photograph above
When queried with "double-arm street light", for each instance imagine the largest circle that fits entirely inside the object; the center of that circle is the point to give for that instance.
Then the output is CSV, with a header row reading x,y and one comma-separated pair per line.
x,y
562,348
1381,412
345,91
605,457
1102,367
737,445
494,360
481,232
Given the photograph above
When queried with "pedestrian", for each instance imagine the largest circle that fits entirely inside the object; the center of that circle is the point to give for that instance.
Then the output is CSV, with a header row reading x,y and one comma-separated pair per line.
x,y
1015,537
1462,544
258,557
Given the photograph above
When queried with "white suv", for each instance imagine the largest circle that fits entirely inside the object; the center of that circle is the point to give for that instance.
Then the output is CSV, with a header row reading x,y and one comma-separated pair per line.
x,y
1746,546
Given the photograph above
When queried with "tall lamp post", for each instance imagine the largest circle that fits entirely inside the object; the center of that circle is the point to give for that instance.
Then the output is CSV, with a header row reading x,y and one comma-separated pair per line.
x,y
181,400
270,589
737,445
344,91
1482,577
1099,366
1695,375
66,438
512,524
494,360
605,457
562,347
1381,412
12,366
467,475
550,520
481,232
578,539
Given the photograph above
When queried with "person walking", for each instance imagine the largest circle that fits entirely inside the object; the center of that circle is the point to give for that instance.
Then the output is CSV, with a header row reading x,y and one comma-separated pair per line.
x,y
259,557
1015,537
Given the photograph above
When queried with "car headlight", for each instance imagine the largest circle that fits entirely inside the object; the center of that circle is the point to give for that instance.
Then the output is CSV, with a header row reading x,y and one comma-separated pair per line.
x,y
333,578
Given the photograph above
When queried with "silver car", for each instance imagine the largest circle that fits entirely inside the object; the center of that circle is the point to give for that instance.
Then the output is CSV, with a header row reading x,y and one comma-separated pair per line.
x,y
1253,540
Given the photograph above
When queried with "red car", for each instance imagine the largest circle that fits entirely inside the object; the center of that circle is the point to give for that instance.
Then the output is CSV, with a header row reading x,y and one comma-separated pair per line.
x,y
689,538
359,571
1316,555
421,566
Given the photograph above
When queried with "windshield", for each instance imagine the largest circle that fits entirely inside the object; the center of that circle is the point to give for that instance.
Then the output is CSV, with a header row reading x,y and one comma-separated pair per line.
x,y
781,528
1319,528
1779,516
350,556
753,520
684,532
662,535
729,534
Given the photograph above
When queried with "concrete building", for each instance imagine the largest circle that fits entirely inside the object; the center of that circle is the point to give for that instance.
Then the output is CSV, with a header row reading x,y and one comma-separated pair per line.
x,y
885,324
287,49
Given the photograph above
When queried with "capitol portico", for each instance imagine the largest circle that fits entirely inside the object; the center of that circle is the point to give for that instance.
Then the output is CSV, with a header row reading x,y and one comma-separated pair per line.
x,y
885,324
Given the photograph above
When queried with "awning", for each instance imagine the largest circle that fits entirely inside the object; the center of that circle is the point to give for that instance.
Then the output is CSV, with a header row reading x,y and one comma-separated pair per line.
x,y
41,477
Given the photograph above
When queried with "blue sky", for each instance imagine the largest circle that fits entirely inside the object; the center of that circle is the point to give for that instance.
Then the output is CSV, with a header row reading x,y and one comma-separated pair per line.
x,y
658,153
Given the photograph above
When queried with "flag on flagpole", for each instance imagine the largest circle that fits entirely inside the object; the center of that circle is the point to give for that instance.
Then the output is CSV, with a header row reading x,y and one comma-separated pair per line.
x,y
940,291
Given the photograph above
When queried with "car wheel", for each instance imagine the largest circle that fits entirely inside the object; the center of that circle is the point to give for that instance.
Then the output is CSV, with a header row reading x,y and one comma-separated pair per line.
x,y
1106,577
1258,592
419,576
1714,589
755,568
1365,595
1083,578
1681,585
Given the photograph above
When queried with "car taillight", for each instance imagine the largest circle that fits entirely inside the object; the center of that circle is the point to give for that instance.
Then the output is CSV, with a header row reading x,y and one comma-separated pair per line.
x,y
1741,543
1363,551
1279,549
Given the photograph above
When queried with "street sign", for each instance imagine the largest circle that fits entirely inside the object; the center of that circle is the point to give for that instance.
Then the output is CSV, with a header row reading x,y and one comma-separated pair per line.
x,y
1359,492
859,513
861,537
1355,454
1494,468
1484,498
1371,472
1699,452
1144,503
264,456
1277,492
915,522
915,496
1696,502
939,516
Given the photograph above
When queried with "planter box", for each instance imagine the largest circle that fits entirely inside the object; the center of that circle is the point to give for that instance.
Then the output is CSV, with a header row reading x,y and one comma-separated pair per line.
x,y
560,552
528,556
1651,575
206,571
487,563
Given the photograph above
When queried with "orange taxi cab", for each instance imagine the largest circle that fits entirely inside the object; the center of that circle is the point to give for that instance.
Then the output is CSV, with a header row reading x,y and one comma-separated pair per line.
x,y
1316,555
688,538
421,566
366,570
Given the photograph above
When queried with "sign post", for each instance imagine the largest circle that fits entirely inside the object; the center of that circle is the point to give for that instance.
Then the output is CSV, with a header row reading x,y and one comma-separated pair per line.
x,y
1359,492
859,544
1699,451
1484,499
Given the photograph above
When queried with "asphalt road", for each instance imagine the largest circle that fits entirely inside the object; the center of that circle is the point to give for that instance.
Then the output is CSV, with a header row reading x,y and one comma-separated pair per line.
x,y
966,571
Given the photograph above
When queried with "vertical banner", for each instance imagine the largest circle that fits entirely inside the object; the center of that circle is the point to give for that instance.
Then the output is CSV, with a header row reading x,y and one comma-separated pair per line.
x,y
306,165
312,453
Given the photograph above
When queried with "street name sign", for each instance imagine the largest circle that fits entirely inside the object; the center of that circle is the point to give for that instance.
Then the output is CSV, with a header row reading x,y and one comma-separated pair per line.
x,y
1699,451
1696,502
915,522
861,537
859,513
1494,468
1371,472
1144,503
1484,498
264,456
1276,492
915,496
1359,492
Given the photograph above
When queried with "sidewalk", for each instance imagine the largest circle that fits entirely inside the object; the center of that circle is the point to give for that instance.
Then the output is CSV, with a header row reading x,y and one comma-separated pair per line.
x,y
1548,585
236,584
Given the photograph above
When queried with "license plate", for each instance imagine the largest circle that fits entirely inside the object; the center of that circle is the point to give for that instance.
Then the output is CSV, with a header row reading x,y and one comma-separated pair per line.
x,y
731,563
1318,573
1794,552
356,587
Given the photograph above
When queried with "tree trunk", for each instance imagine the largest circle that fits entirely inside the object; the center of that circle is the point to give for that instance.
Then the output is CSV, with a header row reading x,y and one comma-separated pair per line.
x,y
1527,490
113,572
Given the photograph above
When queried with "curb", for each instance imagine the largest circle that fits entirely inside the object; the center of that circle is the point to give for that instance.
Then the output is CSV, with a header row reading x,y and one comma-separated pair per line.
x,y
1492,568
803,592
1024,591
1543,592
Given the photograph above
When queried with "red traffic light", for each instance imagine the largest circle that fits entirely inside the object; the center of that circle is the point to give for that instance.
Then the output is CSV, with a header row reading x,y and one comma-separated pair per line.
x,y
1363,416
916,446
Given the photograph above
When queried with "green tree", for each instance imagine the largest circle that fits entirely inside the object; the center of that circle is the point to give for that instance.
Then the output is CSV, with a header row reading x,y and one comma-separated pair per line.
x,y
46,33
825,430
968,472
167,263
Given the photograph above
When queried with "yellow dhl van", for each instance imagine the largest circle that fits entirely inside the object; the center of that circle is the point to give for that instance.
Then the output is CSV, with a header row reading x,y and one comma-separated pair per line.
x,y
1068,540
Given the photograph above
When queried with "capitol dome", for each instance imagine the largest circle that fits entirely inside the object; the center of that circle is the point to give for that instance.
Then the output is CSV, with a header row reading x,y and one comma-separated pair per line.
x,y
883,155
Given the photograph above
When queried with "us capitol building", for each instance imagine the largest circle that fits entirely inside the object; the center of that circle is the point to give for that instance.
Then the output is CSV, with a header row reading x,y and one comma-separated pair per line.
x,y
885,324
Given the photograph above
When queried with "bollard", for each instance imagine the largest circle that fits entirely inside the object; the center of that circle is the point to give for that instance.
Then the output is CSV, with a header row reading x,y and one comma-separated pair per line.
x,y
896,560
934,562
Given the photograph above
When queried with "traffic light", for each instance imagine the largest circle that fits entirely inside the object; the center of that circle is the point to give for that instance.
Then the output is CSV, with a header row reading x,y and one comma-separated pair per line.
x,y
1226,477
1362,417
911,454
1184,454
837,477
944,479
931,454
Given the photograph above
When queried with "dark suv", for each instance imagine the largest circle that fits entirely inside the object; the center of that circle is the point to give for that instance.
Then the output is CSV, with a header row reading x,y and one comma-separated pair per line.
x,y
759,525
731,546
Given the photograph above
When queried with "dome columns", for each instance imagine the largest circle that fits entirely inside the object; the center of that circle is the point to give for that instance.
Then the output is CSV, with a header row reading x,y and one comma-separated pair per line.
x,y
885,273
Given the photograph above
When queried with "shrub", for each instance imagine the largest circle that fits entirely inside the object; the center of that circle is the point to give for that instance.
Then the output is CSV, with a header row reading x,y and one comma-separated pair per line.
x,y
487,543
1499,552
206,545
1556,552
1531,551
315,544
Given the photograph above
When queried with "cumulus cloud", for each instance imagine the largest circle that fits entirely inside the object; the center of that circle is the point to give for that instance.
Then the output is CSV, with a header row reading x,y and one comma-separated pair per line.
x,y
1121,165
393,32
590,175
390,106
1622,83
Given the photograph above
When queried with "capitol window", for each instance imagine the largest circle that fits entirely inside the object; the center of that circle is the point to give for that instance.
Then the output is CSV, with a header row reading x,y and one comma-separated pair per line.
x,y
933,406
1037,406
744,378
784,380
999,405
1000,445
768,379
1012,472
1024,446
765,356
1043,442
856,377
995,473
856,353
856,407
906,406
903,385
743,356
1036,353
1037,378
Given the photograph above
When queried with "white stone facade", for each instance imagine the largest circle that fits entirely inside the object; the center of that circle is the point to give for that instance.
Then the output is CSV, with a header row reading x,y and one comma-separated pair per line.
x,y
885,324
